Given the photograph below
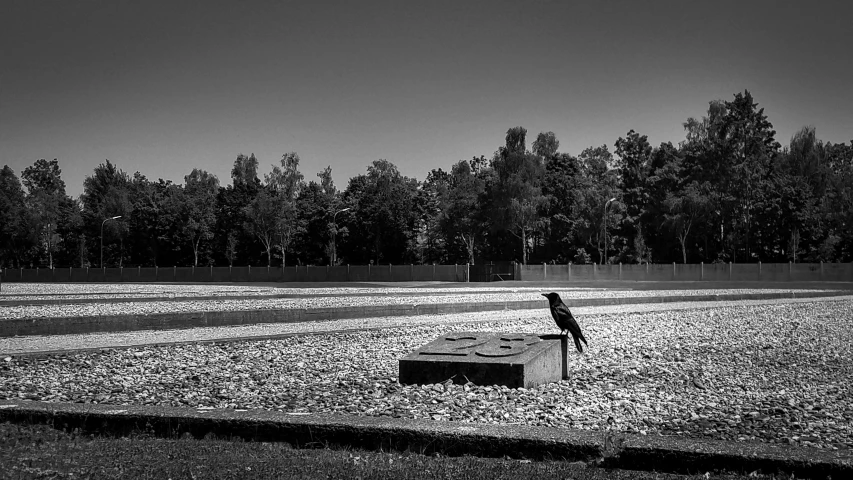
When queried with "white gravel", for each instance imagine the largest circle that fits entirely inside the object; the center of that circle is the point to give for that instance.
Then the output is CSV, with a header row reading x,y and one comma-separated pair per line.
x,y
38,343
49,289
776,373
339,301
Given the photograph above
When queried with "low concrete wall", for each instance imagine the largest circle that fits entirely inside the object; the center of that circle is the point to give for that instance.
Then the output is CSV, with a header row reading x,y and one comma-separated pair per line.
x,y
636,452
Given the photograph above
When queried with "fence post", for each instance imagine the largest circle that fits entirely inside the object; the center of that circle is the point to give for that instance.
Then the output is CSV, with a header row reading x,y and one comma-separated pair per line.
x,y
411,272
701,270
544,270
368,272
211,272
467,272
821,270
673,270
455,273
647,271
620,270
174,273
138,271
594,271
121,274
433,272
730,270
249,275
156,273
570,271
789,270
759,270
348,277
230,277
390,273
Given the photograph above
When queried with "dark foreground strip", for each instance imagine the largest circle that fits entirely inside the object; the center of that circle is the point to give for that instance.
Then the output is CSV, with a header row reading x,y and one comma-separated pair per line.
x,y
11,327
625,451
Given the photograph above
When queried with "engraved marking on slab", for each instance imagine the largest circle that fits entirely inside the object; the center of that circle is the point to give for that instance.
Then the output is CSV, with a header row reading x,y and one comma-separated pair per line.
x,y
458,345
507,345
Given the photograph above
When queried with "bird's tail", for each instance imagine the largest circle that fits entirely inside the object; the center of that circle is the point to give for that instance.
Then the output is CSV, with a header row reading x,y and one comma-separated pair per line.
x,y
578,344
584,339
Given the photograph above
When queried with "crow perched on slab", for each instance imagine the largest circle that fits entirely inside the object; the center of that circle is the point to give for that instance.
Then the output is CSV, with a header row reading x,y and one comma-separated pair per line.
x,y
565,320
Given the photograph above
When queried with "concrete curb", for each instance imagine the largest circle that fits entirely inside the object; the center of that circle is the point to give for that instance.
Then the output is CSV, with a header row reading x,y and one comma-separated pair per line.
x,y
635,452
123,323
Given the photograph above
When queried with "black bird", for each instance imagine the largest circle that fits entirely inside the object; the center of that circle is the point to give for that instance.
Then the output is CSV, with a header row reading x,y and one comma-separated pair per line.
x,y
565,320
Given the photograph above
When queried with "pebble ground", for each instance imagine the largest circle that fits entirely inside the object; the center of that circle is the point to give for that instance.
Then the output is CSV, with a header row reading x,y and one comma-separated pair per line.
x,y
778,373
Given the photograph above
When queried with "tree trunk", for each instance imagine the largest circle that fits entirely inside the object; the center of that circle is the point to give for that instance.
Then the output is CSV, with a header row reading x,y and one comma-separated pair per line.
x,y
195,252
795,243
469,246
283,254
523,247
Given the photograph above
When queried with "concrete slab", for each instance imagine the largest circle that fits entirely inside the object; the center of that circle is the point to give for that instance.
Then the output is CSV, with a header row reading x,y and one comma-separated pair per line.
x,y
510,359
661,454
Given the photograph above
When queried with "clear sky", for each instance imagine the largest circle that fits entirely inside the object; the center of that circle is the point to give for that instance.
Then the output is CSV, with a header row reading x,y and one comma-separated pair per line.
x,y
161,87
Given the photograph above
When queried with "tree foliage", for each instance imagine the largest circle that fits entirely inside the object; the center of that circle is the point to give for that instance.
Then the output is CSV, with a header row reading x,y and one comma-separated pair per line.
x,y
728,191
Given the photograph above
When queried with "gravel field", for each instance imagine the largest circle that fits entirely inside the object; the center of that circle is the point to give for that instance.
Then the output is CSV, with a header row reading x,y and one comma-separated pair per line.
x,y
27,290
51,343
772,373
73,291
338,301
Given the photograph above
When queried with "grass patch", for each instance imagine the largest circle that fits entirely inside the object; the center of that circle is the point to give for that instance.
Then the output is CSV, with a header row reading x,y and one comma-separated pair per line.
x,y
40,451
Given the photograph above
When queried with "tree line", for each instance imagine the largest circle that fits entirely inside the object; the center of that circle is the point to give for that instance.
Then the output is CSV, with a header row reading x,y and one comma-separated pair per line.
x,y
729,192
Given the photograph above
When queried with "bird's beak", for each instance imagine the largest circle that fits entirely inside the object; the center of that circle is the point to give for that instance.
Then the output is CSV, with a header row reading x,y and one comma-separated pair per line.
x,y
545,295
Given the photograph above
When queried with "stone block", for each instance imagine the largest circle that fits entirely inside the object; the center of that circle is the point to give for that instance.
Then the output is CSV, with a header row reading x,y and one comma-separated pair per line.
x,y
483,358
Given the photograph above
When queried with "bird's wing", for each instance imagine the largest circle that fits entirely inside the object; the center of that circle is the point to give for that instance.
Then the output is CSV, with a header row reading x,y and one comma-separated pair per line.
x,y
555,314
574,328
560,309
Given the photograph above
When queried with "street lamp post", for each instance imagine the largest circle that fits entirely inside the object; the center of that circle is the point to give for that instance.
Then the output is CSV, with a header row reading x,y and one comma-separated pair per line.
x,y
102,236
605,229
335,236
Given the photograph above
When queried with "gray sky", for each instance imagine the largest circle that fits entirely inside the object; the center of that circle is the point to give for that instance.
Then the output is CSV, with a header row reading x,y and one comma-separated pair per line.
x,y
162,87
